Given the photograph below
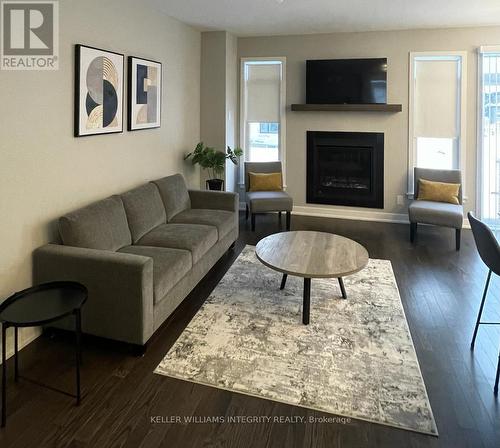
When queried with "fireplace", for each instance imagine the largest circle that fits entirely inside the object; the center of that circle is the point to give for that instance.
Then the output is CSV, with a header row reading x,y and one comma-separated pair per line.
x,y
345,168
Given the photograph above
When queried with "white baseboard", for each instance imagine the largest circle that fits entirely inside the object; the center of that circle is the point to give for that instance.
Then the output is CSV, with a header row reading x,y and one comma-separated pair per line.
x,y
26,337
356,215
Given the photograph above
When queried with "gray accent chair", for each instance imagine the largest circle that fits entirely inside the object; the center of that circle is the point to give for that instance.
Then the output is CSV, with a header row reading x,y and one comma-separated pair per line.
x,y
436,213
139,254
266,201
489,251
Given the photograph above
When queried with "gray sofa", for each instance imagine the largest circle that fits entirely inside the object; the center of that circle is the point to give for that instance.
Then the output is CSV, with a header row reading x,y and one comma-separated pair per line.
x,y
140,254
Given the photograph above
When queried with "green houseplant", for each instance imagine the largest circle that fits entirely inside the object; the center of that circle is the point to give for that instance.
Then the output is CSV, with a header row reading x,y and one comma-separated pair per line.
x,y
214,162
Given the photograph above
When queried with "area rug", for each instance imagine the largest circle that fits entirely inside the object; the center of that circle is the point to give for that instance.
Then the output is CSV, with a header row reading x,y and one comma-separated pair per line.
x,y
356,357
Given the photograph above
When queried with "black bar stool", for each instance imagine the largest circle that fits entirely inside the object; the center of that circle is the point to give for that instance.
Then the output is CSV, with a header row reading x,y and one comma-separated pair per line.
x,y
489,251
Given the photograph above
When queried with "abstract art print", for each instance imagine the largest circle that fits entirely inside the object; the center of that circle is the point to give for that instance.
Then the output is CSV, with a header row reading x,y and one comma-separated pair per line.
x,y
98,91
144,94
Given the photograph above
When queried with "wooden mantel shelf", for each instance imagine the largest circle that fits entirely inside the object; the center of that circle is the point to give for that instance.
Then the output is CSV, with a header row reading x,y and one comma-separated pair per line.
x,y
347,107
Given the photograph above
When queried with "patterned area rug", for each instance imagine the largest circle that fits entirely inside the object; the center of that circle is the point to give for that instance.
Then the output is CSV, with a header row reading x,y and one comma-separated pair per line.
x,y
356,357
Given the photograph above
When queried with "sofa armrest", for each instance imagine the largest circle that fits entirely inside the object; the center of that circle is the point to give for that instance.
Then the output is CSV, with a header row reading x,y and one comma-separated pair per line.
x,y
120,285
215,200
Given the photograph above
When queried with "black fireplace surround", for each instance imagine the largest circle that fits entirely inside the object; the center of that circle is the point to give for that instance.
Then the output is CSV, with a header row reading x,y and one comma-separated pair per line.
x,y
345,168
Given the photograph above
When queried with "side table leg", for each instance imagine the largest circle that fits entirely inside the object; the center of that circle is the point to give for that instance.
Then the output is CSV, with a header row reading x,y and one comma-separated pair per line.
x,y
342,288
307,301
4,375
283,281
78,333
16,352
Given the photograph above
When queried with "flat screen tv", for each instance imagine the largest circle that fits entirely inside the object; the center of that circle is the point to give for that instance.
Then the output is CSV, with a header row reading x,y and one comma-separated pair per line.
x,y
346,81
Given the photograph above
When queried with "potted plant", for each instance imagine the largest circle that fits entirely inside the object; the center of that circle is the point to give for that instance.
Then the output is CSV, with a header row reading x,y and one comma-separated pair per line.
x,y
214,162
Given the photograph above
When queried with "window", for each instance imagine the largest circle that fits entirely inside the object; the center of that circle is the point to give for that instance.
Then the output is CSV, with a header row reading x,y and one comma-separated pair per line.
x,y
489,134
263,143
263,109
437,112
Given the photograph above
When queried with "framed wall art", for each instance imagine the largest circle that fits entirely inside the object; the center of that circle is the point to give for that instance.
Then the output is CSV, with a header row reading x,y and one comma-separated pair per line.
x,y
98,91
144,93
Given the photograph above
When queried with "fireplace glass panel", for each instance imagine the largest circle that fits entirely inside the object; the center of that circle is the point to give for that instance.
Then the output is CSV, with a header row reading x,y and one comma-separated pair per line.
x,y
345,167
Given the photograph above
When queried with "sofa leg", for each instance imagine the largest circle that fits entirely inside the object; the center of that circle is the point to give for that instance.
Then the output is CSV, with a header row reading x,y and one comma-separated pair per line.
x,y
458,233
253,222
413,231
232,246
288,220
246,212
139,350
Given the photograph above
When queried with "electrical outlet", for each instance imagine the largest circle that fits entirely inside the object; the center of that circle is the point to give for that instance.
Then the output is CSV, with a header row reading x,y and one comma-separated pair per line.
x,y
400,199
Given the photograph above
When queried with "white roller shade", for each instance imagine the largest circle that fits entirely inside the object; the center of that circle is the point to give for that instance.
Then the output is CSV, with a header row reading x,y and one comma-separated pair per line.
x,y
263,93
436,98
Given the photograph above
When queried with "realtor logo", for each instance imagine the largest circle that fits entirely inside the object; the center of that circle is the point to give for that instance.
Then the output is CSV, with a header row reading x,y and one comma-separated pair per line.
x,y
30,35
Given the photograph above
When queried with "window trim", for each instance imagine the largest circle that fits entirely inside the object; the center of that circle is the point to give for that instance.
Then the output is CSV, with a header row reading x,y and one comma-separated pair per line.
x,y
479,124
462,140
282,132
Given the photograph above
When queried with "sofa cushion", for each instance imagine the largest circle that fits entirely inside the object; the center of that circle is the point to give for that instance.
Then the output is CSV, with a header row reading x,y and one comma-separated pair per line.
x,y
221,219
101,225
269,201
198,239
436,213
174,194
169,266
144,209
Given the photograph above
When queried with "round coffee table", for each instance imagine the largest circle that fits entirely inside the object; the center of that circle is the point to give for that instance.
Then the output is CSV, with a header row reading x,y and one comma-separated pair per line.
x,y
311,255
37,306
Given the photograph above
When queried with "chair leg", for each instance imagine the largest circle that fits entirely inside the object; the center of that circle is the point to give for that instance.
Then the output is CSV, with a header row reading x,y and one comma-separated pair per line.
x,y
253,222
478,321
288,220
413,231
495,389
246,212
458,233
283,281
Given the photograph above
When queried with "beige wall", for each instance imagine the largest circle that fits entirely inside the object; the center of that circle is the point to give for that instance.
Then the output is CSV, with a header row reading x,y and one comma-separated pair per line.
x,y
213,88
219,98
232,71
45,171
395,45
213,92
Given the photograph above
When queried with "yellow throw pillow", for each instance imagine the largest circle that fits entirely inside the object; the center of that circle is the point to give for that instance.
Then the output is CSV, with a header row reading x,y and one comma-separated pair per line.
x,y
265,182
438,191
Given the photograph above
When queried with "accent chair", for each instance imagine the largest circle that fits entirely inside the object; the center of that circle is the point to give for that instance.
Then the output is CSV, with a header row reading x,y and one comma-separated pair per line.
x,y
266,201
436,213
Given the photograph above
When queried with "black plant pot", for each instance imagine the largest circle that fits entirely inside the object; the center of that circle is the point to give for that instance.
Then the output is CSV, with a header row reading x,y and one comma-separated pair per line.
x,y
215,184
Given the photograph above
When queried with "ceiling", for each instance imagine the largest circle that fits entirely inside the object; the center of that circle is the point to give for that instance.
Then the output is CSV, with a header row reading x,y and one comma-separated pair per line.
x,y
272,17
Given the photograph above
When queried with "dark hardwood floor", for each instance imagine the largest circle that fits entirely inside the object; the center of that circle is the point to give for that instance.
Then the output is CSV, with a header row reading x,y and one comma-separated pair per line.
x,y
440,288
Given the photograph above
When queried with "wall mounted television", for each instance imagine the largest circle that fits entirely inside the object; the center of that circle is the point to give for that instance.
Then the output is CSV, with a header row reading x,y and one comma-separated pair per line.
x,y
346,81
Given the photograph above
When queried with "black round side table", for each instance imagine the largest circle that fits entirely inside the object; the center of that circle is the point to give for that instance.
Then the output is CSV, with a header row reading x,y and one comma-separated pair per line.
x,y
37,306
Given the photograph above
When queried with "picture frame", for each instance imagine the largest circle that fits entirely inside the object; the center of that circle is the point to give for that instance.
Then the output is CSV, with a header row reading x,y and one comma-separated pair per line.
x,y
145,90
99,91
